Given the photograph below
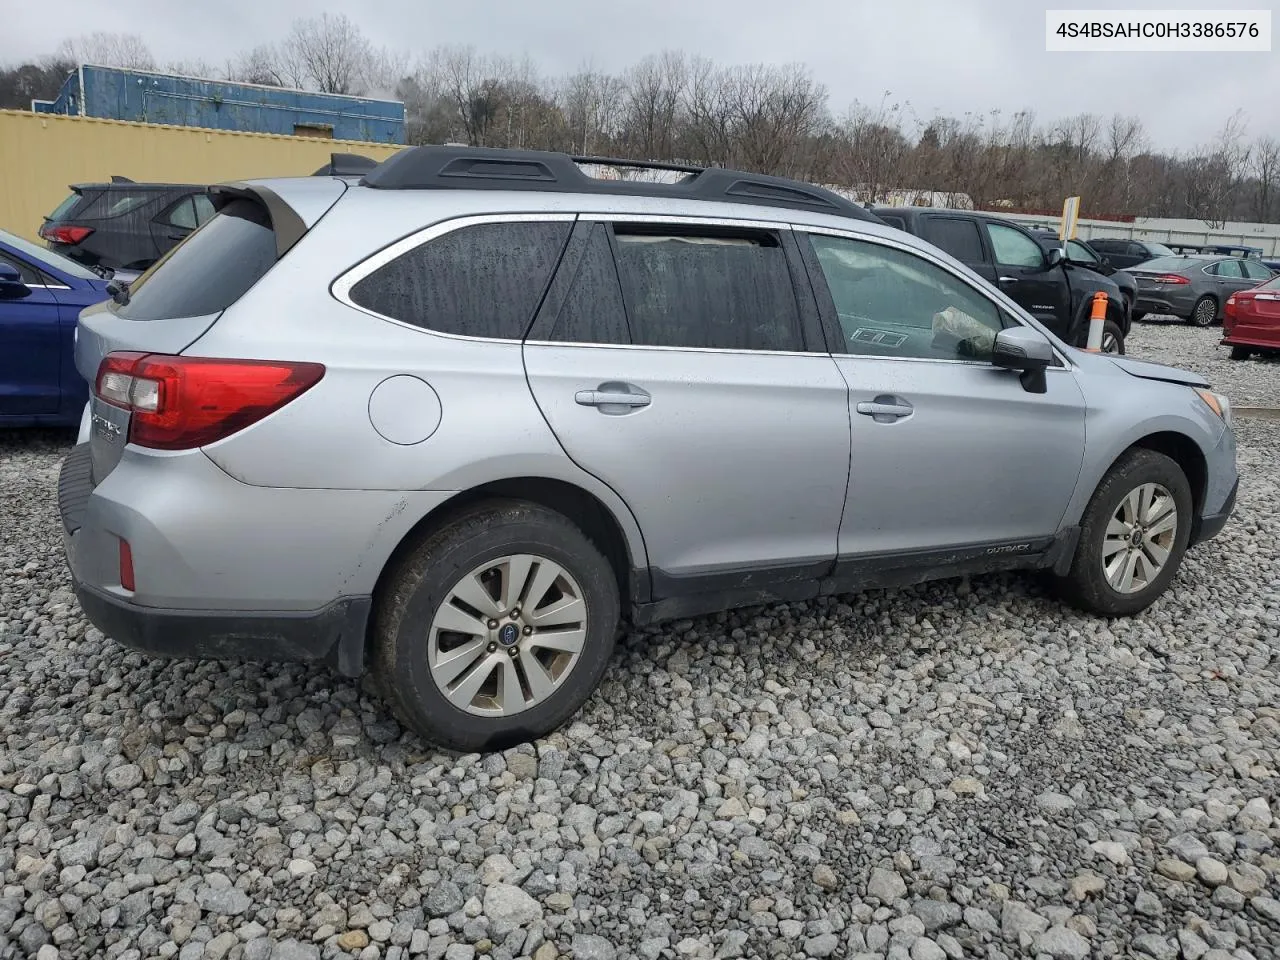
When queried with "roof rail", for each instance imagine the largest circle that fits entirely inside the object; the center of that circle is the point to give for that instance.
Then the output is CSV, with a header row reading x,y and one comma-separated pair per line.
x,y
487,168
346,165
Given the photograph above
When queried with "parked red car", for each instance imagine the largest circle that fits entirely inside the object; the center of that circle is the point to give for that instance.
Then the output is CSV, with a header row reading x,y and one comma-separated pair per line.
x,y
1251,320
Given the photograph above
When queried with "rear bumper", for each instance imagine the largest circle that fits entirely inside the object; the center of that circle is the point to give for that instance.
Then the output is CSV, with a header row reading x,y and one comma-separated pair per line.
x,y
225,570
334,634
1263,340
1149,301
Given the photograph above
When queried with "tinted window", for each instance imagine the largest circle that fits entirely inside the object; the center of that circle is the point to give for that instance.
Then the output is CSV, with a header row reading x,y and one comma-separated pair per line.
x,y
62,210
209,270
114,203
204,208
1170,264
895,304
592,311
1228,268
1013,247
898,222
958,237
1255,270
730,292
1106,246
184,214
480,281
1154,250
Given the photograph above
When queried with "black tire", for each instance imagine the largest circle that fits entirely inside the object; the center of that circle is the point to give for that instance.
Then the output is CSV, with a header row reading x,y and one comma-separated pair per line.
x,y
1112,336
1085,585
1241,353
423,579
1204,312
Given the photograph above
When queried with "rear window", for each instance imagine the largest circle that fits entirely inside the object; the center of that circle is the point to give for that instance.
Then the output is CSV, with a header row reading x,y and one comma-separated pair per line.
x,y
1158,249
63,210
958,237
208,271
1169,264
480,281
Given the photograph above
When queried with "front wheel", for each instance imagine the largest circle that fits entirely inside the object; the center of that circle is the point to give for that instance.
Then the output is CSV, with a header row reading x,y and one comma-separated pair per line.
x,y
1241,353
1132,537
1112,338
1204,312
496,628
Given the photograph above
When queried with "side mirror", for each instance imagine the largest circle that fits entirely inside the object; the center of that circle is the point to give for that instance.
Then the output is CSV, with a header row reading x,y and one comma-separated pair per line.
x,y
1026,350
1055,256
11,285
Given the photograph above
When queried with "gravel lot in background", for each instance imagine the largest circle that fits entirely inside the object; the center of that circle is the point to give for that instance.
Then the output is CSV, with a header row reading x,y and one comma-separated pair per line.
x,y
1254,382
961,769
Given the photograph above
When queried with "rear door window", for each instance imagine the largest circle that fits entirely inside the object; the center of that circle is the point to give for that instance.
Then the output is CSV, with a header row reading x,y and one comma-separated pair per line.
x,y
1227,268
592,311
484,280
957,236
183,214
1256,270
707,289
210,270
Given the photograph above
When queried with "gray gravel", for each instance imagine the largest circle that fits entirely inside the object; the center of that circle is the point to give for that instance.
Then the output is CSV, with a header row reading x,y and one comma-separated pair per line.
x,y
1253,382
964,769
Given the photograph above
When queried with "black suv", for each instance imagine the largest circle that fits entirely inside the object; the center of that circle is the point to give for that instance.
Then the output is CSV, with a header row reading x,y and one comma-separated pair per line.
x,y
125,225
1081,254
1054,291
1123,254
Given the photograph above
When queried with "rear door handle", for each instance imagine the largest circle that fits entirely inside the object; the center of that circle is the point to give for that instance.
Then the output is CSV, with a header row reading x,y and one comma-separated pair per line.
x,y
613,397
1010,279
885,409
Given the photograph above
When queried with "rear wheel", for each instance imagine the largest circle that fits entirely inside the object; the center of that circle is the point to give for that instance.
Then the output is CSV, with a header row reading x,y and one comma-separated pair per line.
x,y
1132,537
1204,312
1241,353
496,628
1112,338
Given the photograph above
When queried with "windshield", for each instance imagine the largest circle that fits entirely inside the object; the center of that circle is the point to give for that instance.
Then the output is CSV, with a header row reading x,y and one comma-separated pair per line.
x,y
1159,250
48,258
209,270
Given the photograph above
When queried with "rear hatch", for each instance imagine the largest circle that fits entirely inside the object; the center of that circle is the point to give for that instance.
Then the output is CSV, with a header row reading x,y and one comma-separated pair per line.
x,y
181,296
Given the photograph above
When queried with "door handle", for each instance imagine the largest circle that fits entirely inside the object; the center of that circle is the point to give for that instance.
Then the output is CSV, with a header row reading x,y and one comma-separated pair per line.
x,y
885,409
621,397
1010,279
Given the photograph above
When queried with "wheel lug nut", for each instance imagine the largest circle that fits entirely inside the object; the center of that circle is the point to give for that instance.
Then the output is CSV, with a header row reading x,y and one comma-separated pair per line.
x,y
513,651
515,614
528,630
493,647
493,624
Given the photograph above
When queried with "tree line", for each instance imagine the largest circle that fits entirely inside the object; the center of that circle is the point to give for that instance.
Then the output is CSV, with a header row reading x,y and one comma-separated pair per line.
x,y
761,117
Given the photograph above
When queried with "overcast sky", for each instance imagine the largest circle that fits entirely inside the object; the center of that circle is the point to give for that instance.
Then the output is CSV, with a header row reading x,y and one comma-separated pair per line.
x,y
943,56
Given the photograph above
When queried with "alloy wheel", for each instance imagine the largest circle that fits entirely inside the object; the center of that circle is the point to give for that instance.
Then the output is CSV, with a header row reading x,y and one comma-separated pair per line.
x,y
1139,539
507,635
1205,312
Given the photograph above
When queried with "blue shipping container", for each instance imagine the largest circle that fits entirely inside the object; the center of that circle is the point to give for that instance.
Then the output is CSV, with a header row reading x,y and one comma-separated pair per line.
x,y
145,97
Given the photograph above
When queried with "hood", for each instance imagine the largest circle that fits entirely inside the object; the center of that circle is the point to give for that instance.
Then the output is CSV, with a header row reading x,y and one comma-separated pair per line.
x,y
1157,371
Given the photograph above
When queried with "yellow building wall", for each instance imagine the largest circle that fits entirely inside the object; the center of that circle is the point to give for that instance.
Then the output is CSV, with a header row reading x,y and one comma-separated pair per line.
x,y
42,154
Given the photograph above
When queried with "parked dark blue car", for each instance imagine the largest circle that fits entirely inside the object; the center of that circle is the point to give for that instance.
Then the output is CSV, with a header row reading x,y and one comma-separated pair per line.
x,y
41,296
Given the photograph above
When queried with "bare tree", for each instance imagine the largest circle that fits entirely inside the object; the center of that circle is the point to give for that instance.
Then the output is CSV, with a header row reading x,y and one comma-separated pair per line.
x,y
1214,172
654,90
871,152
771,111
194,68
332,54
265,65
592,104
1266,171
105,49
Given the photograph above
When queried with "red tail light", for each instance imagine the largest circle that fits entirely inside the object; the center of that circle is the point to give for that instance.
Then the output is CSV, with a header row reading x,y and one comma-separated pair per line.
x,y
1229,308
126,566
178,403
60,233
1171,278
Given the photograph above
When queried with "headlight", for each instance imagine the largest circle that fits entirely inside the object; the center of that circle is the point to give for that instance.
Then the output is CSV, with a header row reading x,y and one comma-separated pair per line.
x,y
1216,402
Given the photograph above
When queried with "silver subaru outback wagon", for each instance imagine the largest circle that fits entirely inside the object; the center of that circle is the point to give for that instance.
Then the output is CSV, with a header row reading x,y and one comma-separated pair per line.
x,y
457,420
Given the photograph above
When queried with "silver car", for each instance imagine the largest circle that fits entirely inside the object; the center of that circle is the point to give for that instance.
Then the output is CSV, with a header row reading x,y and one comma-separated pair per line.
x,y
1194,287
457,421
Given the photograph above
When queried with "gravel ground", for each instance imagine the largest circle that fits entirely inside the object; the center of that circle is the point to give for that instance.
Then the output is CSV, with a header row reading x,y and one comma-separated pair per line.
x,y
961,769
1254,382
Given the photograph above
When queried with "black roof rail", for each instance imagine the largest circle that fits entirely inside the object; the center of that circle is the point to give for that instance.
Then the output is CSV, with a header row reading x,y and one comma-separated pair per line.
x,y
346,165
488,168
